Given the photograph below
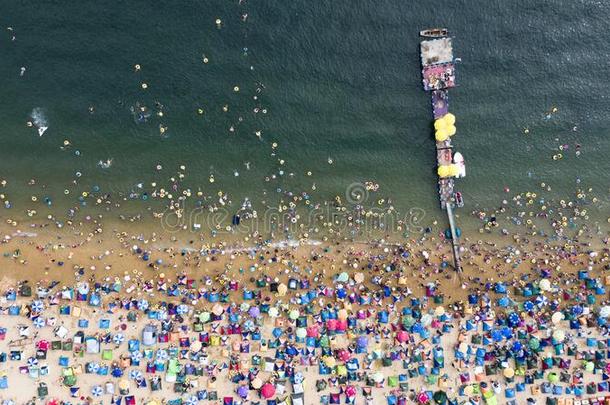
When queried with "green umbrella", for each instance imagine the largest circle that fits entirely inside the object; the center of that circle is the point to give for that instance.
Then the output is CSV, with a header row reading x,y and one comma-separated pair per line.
x,y
534,343
440,397
408,321
553,378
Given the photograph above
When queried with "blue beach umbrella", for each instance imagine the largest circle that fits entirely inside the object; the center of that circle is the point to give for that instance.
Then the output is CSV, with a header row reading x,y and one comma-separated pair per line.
x,y
37,306
528,306
162,355
118,338
496,335
143,305
513,319
39,322
32,361
135,374
182,309
93,367
136,356
97,390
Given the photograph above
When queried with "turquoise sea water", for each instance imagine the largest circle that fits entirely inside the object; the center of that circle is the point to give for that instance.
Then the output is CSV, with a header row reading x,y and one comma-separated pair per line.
x,y
340,82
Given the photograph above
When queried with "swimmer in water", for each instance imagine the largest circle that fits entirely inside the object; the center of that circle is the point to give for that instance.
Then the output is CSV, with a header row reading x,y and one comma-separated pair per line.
x,y
247,164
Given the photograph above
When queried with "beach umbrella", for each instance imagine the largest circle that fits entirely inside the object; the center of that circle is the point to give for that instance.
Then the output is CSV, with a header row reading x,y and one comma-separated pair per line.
x,y
83,288
117,372
362,341
268,390
182,309
298,378
249,325
330,361
508,372
242,391
244,307
439,311
217,309
301,333
32,361
37,306
124,385
254,312
589,366
257,383
422,397
93,367
402,336
359,278
282,289
192,400
136,356
143,305
294,314
553,377
39,322
513,319
426,320
440,397
273,312
97,390
135,374
528,306
204,317
534,343
408,321
343,277
196,346
344,355
559,335
544,284
162,355
558,317
118,338
378,377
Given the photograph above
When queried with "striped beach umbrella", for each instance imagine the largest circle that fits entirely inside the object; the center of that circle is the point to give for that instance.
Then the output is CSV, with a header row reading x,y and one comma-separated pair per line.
x,y
182,309
39,322
192,400
93,367
97,390
32,361
135,374
162,355
136,356
37,306
143,305
118,338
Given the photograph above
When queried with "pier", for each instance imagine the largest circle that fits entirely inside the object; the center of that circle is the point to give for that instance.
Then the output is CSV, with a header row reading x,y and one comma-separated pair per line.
x,y
438,75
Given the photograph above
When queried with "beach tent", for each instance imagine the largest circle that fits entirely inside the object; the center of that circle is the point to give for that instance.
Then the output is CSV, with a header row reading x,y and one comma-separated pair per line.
x,y
149,335
92,345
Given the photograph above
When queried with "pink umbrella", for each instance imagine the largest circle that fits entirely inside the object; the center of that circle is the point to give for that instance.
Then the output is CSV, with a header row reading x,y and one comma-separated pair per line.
x,y
342,325
422,397
331,324
312,331
344,355
402,336
268,391
350,391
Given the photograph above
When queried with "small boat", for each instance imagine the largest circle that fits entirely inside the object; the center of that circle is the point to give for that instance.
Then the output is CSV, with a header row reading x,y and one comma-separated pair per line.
x,y
434,33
